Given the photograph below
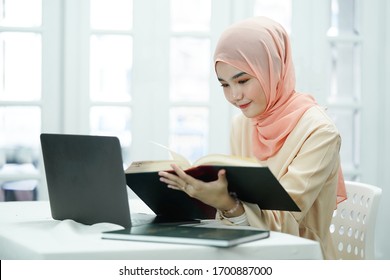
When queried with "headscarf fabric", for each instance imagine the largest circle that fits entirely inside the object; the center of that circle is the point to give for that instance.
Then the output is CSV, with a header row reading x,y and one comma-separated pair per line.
x,y
261,47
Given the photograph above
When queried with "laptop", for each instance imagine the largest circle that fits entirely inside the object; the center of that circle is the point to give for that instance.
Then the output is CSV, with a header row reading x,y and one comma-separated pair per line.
x,y
86,180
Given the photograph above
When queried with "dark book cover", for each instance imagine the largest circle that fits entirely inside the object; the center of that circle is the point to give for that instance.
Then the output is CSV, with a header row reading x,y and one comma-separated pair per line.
x,y
210,236
251,184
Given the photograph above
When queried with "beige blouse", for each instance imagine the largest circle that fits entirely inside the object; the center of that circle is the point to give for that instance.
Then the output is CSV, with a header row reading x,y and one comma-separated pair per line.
x,y
307,167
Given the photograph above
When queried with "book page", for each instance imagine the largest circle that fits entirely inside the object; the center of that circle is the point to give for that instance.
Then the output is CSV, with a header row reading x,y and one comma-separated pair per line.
x,y
221,159
173,155
212,159
181,161
150,166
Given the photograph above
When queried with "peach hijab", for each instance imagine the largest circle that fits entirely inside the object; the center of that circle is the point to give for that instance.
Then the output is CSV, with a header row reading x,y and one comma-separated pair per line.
x,y
261,47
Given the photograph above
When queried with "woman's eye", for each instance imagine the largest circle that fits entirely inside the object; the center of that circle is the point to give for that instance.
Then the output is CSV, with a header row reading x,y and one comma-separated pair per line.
x,y
243,81
224,85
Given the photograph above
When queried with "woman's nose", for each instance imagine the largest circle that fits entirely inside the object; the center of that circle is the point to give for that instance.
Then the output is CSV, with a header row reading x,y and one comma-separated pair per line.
x,y
237,93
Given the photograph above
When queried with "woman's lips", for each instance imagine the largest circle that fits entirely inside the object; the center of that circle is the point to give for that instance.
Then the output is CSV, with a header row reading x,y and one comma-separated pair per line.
x,y
244,106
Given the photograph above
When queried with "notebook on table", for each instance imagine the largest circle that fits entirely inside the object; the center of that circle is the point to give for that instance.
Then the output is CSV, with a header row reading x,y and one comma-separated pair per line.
x,y
195,235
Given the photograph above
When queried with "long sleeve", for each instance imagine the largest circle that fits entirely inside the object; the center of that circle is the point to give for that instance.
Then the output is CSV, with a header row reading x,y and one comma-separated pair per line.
x,y
307,167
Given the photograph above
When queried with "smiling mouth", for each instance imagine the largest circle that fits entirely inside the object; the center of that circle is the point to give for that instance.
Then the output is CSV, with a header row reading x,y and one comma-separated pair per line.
x,y
244,106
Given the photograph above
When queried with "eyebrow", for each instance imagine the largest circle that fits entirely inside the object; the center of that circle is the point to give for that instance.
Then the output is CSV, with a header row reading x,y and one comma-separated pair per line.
x,y
233,77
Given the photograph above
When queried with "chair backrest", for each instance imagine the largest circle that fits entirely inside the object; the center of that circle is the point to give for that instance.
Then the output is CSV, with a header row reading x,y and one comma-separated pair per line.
x,y
353,222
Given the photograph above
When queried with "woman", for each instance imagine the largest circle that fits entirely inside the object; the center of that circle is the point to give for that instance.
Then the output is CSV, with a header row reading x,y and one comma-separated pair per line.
x,y
283,129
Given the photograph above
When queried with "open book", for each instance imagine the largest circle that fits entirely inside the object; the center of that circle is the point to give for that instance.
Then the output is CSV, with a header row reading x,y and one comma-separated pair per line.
x,y
184,163
250,181
208,160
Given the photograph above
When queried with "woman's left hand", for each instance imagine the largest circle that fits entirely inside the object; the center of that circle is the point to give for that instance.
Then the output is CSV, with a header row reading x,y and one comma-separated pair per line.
x,y
213,193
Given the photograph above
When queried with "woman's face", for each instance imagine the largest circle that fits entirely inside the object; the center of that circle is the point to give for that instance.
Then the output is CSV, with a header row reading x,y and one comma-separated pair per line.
x,y
241,89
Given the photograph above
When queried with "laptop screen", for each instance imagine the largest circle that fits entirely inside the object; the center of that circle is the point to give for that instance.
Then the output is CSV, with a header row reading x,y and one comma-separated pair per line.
x,y
85,178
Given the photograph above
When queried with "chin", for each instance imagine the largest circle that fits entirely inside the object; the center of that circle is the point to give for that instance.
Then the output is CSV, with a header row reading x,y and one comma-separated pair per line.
x,y
253,111
251,114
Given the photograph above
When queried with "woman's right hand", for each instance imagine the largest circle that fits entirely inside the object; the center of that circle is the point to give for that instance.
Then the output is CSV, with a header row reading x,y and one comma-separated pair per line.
x,y
213,193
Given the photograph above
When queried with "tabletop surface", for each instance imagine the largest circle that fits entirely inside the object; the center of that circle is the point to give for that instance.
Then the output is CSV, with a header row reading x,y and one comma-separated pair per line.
x,y
27,231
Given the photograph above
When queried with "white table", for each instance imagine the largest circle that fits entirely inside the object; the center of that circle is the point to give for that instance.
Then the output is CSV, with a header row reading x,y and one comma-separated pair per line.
x,y
27,231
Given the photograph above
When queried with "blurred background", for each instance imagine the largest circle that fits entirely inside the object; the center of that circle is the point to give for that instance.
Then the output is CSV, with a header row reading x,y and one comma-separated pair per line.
x,y
142,70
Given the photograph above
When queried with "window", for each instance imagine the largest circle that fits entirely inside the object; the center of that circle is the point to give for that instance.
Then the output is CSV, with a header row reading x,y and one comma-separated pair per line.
x,y
344,98
21,46
111,70
189,90
279,10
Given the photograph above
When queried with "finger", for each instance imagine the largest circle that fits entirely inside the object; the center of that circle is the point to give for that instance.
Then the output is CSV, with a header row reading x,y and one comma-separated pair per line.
x,y
168,175
170,178
175,183
174,188
222,176
168,181
172,185
184,176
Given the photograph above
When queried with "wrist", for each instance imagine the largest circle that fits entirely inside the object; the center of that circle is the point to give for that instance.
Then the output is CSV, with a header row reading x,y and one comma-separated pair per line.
x,y
232,208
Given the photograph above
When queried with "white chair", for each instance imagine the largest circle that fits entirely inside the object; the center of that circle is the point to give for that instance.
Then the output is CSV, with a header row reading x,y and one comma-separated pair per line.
x,y
353,222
